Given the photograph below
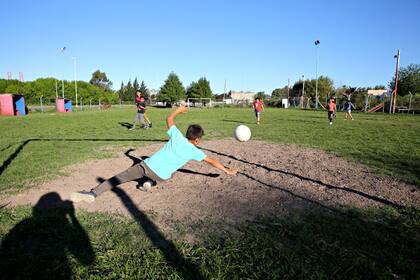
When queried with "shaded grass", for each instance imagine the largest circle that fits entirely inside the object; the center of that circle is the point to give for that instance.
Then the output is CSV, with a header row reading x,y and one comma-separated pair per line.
x,y
373,244
389,144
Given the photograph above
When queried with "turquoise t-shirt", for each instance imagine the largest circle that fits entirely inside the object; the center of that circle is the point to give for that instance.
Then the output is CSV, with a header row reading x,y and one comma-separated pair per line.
x,y
176,152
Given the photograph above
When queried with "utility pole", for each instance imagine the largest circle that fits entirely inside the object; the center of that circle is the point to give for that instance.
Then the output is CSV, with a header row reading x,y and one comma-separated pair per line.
x,y
224,92
75,80
394,101
62,80
303,89
317,42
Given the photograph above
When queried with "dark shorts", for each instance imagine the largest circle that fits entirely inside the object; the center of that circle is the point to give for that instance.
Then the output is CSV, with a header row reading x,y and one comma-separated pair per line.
x,y
257,113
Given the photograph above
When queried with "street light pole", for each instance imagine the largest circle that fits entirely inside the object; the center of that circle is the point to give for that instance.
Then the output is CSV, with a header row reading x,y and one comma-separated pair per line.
x,y
75,80
317,42
397,56
303,89
62,80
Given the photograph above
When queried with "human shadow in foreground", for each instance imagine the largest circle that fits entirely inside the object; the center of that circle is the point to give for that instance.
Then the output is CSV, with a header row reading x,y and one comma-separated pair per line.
x,y
38,246
171,254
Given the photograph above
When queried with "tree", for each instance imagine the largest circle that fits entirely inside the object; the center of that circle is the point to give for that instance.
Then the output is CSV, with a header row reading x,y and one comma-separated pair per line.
x,y
408,80
260,95
144,90
200,89
100,79
135,84
129,92
121,91
172,91
279,93
325,88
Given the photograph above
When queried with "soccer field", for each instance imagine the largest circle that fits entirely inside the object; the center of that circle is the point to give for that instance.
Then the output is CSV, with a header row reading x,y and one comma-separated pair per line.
x,y
316,236
38,146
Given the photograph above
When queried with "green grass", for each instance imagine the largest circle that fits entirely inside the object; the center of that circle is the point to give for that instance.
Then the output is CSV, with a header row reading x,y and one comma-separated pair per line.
x,y
389,144
377,244
380,243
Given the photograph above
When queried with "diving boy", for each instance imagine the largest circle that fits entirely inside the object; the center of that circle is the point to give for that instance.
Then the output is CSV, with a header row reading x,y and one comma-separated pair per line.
x,y
161,165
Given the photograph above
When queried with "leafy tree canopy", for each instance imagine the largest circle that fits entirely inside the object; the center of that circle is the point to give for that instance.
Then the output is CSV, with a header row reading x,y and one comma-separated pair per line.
x,y
100,79
408,80
200,89
172,91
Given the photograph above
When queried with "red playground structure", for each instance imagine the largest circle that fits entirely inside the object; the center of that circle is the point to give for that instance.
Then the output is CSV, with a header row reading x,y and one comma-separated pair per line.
x,y
12,105
63,105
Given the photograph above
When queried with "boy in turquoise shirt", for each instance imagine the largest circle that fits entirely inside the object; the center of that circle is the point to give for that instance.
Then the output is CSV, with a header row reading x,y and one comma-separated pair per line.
x,y
161,165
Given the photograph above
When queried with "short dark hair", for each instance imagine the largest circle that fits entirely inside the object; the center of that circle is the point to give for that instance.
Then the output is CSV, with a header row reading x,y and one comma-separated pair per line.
x,y
194,131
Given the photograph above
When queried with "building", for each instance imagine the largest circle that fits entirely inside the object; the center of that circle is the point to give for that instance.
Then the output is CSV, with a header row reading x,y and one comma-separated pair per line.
x,y
241,97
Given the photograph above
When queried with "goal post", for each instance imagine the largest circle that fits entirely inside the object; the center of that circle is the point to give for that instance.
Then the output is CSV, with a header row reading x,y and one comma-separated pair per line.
x,y
199,102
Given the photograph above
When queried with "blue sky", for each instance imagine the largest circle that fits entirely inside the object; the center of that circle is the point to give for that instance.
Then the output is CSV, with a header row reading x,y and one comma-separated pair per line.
x,y
253,45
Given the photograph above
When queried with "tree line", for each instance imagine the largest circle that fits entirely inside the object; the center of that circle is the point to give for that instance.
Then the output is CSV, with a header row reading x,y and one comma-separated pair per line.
x,y
408,82
100,88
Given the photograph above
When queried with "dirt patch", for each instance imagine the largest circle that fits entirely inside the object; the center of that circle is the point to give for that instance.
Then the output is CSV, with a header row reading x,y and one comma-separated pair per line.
x,y
274,180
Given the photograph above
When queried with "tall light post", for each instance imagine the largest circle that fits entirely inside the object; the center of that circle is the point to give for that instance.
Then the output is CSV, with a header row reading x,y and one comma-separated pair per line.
x,y
397,56
75,80
62,80
317,42
303,90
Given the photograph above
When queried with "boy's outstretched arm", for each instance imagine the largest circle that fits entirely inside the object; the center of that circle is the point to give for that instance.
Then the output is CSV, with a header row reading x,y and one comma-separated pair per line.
x,y
171,117
218,165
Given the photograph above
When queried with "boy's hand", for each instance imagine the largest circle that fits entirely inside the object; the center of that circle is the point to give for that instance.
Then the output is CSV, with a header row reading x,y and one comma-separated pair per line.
x,y
182,109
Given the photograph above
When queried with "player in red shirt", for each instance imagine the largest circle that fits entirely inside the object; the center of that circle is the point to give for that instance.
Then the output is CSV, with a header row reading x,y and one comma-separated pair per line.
x,y
331,108
258,108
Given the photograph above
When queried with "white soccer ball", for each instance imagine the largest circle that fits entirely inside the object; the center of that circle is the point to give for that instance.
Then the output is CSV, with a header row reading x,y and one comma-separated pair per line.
x,y
242,133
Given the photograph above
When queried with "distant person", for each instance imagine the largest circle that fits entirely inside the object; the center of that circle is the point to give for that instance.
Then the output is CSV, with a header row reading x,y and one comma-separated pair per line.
x,y
139,94
161,165
331,107
347,106
258,108
141,110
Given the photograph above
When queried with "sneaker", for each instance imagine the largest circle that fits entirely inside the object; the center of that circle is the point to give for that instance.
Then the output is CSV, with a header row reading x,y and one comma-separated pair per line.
x,y
150,125
132,128
86,196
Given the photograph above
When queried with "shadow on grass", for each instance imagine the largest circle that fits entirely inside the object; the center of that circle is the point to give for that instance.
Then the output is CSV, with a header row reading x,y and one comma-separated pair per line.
x,y
236,121
38,246
126,124
328,186
373,244
171,254
10,159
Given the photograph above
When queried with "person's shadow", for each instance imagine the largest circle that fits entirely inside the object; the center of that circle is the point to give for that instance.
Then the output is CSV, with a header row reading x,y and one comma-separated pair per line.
x,y
126,124
38,246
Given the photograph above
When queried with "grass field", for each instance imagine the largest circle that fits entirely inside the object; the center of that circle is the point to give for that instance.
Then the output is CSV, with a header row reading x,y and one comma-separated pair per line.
x,y
376,243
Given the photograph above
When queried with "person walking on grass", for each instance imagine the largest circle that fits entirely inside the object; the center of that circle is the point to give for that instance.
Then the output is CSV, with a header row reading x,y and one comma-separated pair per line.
x,y
331,109
258,108
160,166
347,106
